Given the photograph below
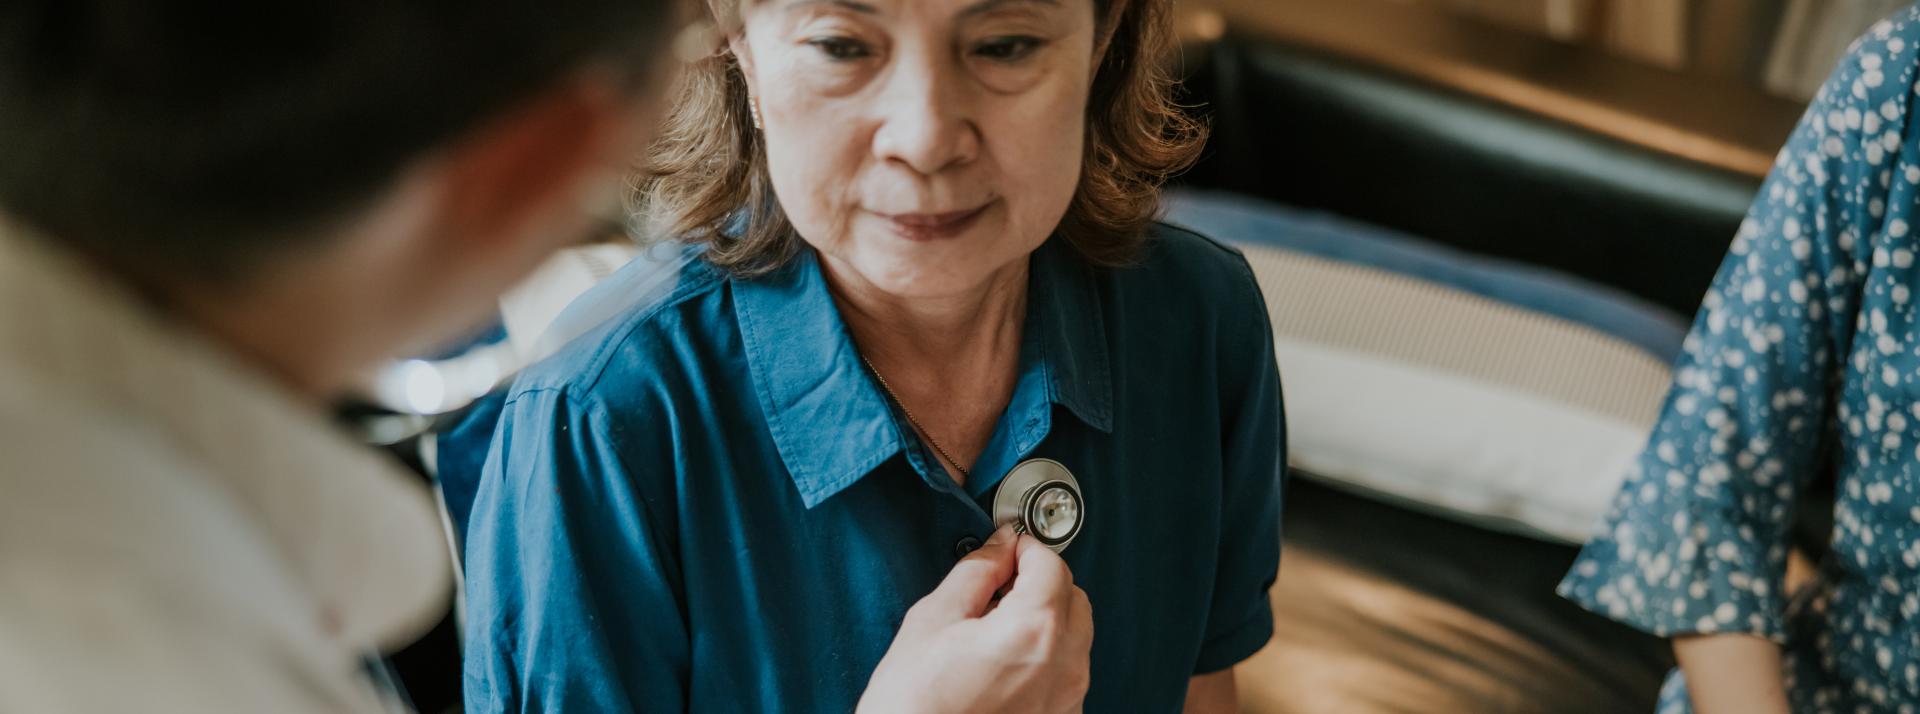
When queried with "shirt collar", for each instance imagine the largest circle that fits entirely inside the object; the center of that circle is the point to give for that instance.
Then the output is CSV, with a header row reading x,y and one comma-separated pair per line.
x,y
830,421
360,537
1072,321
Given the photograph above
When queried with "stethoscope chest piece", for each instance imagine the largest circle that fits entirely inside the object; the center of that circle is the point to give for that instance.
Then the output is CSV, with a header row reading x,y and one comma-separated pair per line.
x,y
1041,498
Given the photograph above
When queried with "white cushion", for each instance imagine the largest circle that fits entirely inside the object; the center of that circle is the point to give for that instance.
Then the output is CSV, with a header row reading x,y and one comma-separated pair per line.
x,y
1450,401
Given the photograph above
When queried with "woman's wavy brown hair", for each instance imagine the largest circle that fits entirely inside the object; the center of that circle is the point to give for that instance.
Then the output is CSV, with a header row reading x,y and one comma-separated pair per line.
x,y
706,179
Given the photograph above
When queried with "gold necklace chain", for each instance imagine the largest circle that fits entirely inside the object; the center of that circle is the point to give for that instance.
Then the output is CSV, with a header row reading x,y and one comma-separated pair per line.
x,y
915,422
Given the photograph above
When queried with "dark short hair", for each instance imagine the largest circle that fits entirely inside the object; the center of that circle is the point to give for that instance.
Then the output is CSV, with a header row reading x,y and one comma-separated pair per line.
x,y
193,137
707,179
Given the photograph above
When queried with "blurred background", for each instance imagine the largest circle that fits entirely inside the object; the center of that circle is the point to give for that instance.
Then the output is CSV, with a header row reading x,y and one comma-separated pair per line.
x,y
1783,46
1715,80
1482,227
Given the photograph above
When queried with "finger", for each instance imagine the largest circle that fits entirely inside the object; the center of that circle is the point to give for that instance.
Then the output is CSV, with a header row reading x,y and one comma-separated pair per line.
x,y
1078,642
1041,579
1080,621
973,581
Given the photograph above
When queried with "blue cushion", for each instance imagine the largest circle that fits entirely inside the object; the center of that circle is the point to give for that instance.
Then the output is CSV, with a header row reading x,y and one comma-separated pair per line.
x,y
1239,219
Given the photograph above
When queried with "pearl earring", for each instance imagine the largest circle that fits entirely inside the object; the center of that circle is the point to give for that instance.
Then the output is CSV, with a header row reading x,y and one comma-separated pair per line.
x,y
753,110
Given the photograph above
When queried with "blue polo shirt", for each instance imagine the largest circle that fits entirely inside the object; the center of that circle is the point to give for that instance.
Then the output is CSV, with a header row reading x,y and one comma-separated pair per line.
x,y
710,505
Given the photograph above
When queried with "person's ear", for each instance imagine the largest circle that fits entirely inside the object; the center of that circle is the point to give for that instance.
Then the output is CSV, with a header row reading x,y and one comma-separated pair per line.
x,y
743,58
542,164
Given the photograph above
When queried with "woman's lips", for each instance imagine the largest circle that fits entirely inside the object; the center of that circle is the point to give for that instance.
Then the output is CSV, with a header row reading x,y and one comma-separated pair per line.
x,y
933,226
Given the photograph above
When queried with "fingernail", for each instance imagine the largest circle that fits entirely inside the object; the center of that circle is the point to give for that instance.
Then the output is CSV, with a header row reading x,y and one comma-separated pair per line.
x,y
1001,536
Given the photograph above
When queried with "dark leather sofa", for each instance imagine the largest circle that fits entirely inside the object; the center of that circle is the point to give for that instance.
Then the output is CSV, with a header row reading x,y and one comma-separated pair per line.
x,y
1325,133
1315,131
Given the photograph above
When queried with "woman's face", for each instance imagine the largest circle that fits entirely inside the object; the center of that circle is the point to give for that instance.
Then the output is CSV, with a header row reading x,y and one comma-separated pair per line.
x,y
923,145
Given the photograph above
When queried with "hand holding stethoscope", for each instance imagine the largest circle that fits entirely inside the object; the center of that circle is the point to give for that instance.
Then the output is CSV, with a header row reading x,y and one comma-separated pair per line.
x,y
961,650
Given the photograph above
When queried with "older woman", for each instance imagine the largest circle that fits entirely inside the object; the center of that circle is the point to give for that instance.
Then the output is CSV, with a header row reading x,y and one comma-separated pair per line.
x,y
927,256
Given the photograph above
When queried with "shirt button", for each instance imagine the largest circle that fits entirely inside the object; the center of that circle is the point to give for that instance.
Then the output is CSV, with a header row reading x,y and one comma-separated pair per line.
x,y
965,545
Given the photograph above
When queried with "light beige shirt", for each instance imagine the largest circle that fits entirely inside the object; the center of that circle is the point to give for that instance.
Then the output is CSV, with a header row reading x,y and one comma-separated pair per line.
x,y
178,533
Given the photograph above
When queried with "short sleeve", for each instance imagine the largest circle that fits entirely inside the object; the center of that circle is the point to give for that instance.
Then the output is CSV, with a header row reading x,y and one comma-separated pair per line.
x,y
1240,619
574,597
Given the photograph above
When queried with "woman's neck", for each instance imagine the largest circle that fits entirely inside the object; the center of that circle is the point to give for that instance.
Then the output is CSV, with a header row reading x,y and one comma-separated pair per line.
x,y
950,361
937,334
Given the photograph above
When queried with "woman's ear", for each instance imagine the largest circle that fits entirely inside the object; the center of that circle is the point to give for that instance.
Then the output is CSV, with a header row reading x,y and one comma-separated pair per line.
x,y
743,57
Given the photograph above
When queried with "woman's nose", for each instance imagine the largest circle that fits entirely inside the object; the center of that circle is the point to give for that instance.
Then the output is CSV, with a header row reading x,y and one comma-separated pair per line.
x,y
925,120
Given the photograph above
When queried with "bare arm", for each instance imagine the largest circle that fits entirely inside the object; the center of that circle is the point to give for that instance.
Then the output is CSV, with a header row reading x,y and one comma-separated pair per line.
x,y
1732,674
1212,694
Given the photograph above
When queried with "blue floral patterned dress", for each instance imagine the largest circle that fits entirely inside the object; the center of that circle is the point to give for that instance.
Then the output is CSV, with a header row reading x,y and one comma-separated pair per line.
x,y
1805,358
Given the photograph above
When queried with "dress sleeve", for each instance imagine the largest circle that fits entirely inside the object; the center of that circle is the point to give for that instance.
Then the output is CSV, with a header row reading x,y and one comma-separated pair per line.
x,y
1696,541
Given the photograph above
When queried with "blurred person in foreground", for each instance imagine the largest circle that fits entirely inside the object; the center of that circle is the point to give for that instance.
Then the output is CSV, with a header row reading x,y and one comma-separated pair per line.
x,y
214,218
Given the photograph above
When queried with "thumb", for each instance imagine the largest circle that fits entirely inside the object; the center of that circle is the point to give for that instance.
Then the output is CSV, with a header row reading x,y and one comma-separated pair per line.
x,y
970,586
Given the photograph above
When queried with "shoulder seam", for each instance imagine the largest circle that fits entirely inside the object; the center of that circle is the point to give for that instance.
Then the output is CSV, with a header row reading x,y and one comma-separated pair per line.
x,y
706,280
1210,240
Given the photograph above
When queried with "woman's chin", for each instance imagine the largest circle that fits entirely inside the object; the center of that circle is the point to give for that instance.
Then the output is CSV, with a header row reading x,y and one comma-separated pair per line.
x,y
928,285
925,277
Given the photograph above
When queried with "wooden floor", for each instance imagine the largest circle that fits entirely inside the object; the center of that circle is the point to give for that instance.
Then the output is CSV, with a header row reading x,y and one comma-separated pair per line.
x,y
1350,641
1384,610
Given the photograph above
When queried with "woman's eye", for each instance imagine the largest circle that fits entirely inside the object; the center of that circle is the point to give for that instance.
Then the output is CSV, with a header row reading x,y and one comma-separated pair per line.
x,y
840,49
1008,49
